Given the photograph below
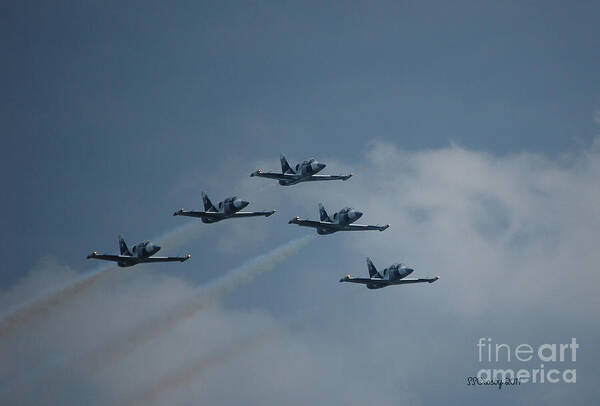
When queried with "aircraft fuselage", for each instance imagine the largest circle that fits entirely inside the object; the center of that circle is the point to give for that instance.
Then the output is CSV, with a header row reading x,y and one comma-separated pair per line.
x,y
304,170
229,206
343,217
142,250
390,274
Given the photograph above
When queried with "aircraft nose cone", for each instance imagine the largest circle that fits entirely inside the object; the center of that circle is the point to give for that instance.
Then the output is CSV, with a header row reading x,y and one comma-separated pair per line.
x,y
409,271
321,165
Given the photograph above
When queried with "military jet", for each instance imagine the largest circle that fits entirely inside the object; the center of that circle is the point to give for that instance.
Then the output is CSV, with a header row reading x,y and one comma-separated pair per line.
x,y
395,274
228,208
302,172
140,253
340,221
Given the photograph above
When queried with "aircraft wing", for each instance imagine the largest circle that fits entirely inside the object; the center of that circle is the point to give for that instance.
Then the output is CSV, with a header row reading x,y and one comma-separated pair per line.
x,y
275,175
380,283
334,226
253,213
349,278
164,259
107,257
361,227
371,283
134,260
201,214
292,179
414,280
314,224
313,178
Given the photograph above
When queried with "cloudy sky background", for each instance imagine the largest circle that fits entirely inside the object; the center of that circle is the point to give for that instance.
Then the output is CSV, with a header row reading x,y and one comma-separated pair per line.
x,y
471,128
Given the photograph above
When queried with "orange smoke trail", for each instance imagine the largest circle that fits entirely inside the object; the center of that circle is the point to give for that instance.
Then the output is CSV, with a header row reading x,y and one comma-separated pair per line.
x,y
40,305
204,296
152,393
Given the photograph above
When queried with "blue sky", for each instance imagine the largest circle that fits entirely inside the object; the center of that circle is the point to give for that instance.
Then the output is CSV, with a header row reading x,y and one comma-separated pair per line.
x,y
115,115
110,105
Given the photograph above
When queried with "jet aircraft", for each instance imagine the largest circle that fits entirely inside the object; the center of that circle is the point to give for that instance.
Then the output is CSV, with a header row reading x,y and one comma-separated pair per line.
x,y
305,171
228,208
140,253
340,221
395,274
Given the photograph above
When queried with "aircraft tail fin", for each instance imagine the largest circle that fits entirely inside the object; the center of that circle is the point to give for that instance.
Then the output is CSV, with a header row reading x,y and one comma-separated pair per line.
x,y
208,206
285,166
123,247
323,213
372,270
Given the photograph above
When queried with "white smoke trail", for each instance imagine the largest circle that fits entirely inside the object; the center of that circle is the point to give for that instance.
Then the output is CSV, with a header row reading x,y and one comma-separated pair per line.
x,y
182,234
153,392
123,344
44,302
204,296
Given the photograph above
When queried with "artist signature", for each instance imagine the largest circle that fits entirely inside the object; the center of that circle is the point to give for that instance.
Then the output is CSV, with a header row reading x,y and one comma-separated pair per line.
x,y
475,381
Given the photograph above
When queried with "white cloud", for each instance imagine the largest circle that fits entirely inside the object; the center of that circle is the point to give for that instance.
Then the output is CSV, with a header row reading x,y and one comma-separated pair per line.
x,y
522,223
513,238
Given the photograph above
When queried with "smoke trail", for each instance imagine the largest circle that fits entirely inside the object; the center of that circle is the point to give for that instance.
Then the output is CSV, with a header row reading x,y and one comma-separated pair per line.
x,y
42,303
152,393
181,234
202,297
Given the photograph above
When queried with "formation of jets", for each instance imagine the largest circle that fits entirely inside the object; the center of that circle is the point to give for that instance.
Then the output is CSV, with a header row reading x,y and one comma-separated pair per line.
x,y
231,207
